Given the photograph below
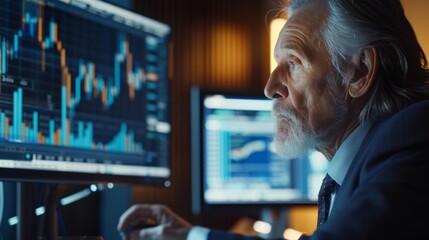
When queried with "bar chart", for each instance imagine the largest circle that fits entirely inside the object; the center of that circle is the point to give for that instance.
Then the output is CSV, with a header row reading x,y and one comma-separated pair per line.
x,y
80,84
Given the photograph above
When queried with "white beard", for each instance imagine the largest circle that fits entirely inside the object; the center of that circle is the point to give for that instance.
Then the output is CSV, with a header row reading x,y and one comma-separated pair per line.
x,y
293,139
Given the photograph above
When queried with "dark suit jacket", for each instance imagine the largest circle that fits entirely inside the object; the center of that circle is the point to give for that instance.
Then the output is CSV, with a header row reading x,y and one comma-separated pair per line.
x,y
385,194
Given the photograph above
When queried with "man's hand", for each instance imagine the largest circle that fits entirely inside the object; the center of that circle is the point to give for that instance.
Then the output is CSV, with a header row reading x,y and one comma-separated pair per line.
x,y
143,221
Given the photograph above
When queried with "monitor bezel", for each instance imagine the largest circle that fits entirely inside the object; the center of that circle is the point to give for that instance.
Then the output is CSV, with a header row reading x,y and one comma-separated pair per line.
x,y
44,176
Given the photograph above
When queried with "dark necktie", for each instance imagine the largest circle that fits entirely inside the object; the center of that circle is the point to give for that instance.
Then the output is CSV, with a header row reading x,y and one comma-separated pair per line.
x,y
324,202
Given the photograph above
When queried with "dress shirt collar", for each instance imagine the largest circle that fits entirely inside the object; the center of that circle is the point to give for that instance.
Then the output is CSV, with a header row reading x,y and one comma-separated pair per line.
x,y
346,153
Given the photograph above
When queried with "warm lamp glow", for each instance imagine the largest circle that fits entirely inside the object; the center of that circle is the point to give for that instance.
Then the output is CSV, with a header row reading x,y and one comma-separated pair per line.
x,y
275,27
262,227
291,234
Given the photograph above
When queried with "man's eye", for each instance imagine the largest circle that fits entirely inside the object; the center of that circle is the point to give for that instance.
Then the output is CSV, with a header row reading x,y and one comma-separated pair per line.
x,y
293,62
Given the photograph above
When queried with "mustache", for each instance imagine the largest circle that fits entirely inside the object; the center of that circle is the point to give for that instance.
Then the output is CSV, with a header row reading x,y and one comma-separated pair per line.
x,y
278,110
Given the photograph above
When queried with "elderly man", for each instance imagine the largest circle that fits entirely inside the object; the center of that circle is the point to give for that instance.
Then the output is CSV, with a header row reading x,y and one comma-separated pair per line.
x,y
351,82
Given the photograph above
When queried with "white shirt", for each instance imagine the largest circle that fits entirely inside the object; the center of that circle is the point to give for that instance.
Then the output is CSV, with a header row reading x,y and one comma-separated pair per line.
x,y
344,156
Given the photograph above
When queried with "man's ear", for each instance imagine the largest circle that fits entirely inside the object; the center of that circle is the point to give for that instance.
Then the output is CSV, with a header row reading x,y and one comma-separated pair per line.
x,y
366,66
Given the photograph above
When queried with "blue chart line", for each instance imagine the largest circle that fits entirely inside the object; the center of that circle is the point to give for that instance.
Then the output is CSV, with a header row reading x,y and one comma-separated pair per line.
x,y
248,149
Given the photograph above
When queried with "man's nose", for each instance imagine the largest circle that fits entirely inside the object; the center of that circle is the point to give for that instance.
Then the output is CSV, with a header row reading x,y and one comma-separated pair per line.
x,y
276,86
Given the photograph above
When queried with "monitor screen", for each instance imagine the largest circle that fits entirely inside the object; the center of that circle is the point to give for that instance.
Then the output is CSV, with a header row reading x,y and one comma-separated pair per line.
x,y
84,93
234,162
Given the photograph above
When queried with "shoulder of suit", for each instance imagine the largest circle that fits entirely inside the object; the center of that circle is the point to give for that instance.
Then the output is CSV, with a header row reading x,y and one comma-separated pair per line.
x,y
411,119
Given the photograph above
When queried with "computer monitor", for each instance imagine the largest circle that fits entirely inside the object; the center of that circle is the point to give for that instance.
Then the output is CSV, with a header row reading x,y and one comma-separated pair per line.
x,y
235,167
84,93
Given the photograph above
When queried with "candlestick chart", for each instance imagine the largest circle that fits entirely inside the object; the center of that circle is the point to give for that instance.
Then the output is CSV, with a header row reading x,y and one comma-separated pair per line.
x,y
81,80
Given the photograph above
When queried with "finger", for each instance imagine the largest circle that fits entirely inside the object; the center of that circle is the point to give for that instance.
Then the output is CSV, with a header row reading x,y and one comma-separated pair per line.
x,y
147,233
151,233
135,215
129,216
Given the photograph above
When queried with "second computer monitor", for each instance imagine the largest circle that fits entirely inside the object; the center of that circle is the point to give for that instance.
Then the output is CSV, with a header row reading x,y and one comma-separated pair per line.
x,y
234,161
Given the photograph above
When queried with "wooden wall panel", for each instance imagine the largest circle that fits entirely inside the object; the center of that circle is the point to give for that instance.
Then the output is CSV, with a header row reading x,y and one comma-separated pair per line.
x,y
217,44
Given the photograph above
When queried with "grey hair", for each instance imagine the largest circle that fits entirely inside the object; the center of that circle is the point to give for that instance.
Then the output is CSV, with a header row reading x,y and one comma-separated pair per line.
x,y
353,25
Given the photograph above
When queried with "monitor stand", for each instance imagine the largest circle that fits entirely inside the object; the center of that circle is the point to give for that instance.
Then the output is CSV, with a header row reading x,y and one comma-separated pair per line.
x,y
1,201
28,227
278,219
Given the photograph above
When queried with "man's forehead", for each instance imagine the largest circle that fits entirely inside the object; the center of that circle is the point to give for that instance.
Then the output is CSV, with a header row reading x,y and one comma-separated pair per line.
x,y
293,45
310,15
300,30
